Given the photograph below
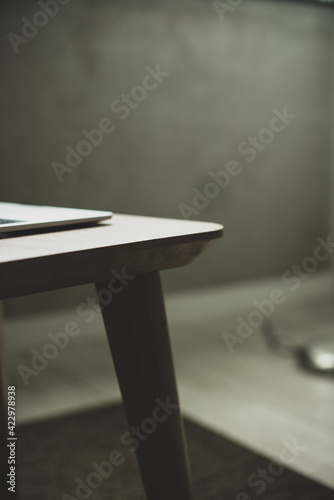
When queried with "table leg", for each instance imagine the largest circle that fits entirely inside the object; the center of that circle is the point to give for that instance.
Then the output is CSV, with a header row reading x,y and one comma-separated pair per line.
x,y
136,326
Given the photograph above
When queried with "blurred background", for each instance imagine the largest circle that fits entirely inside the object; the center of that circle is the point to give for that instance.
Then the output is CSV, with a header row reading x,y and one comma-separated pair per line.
x,y
227,72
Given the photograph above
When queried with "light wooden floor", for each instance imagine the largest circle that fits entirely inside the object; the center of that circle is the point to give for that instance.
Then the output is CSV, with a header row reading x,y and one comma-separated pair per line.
x,y
256,397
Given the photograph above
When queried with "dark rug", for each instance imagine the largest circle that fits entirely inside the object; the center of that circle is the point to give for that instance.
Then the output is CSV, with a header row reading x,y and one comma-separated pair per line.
x,y
56,455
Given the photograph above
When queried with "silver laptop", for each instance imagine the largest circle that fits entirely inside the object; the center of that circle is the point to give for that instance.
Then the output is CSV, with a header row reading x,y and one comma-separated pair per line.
x,y
18,217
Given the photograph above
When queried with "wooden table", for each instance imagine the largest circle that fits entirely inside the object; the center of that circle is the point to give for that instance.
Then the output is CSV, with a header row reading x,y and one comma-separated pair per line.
x,y
123,258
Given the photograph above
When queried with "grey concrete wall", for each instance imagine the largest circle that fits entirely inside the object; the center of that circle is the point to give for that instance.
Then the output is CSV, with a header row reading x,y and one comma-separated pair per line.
x,y
225,78
332,142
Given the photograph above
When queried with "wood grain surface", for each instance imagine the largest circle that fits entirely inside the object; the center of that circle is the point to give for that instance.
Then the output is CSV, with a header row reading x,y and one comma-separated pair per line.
x,y
33,263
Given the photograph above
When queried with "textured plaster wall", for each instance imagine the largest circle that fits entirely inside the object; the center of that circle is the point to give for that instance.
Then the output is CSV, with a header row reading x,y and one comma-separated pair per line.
x,y
225,77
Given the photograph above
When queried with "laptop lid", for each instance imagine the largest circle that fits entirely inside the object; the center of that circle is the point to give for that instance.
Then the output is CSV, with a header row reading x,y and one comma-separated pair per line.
x,y
19,217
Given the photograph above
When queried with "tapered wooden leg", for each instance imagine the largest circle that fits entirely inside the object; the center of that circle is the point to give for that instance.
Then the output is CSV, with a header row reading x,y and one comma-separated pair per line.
x,y
136,327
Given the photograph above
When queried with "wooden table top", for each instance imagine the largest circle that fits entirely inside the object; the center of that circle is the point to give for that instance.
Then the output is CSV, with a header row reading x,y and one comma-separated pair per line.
x,y
33,263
